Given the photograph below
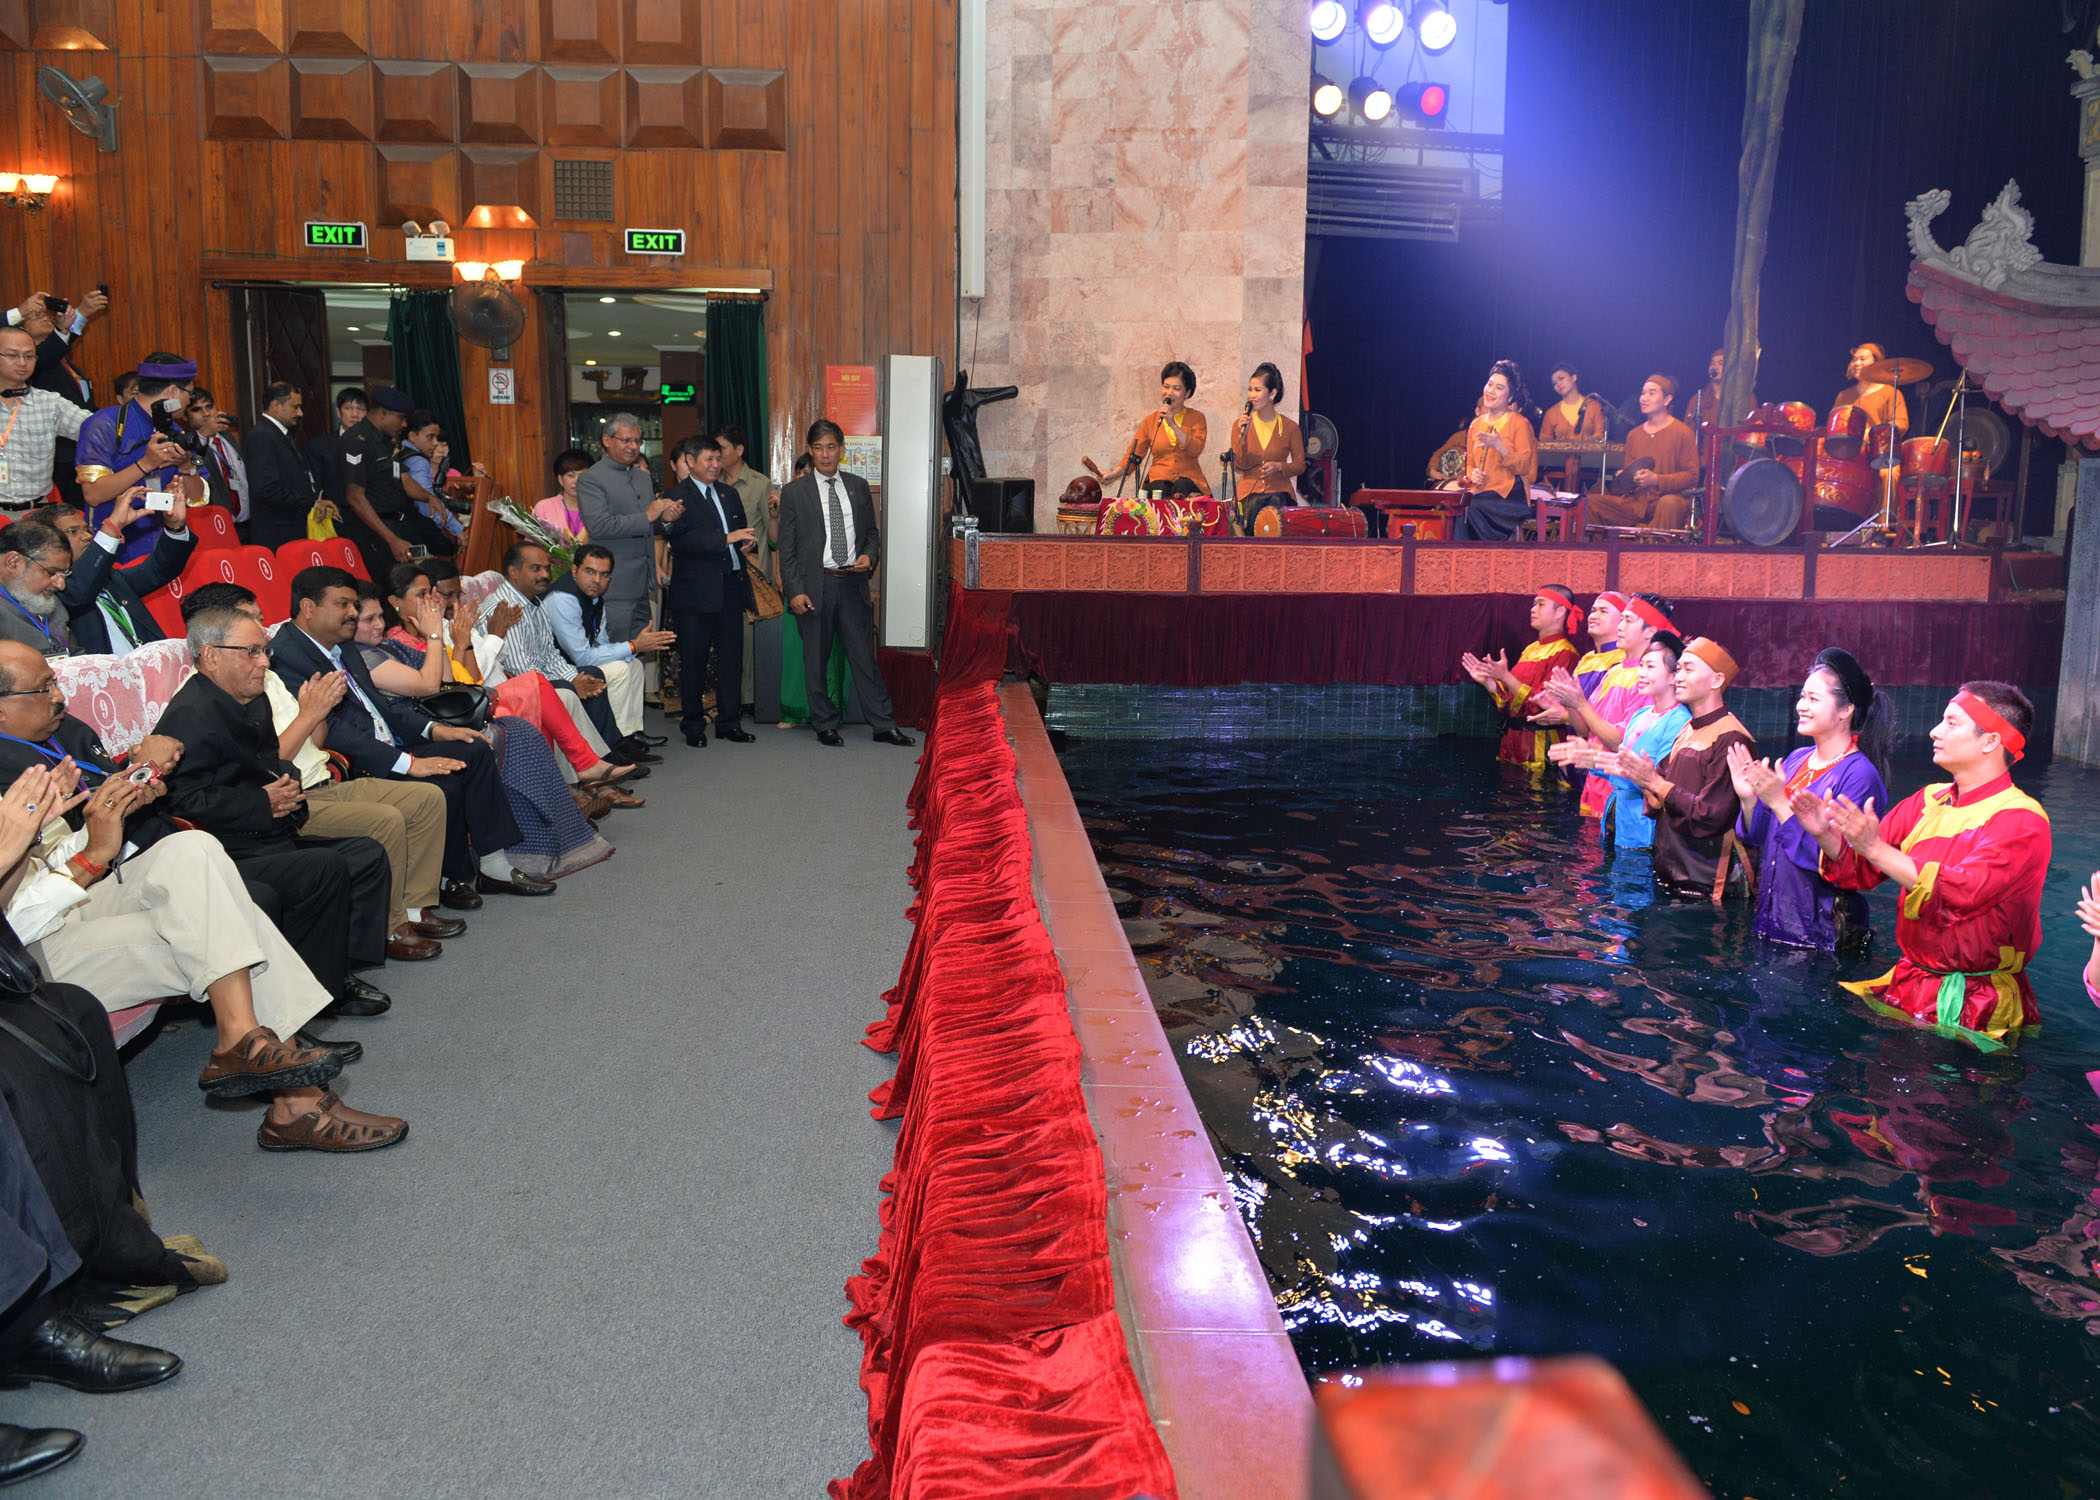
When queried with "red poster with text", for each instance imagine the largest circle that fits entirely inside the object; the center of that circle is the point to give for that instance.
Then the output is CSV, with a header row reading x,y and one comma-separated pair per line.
x,y
849,399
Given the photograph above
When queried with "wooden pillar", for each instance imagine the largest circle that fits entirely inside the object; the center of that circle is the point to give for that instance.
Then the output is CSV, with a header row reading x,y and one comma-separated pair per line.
x,y
2078,679
1775,34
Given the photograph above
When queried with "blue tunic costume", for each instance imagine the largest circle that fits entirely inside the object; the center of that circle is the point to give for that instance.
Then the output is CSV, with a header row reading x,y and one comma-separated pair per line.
x,y
1795,904
1651,734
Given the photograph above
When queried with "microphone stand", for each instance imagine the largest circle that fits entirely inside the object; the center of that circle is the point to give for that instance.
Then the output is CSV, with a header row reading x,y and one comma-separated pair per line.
x,y
1959,411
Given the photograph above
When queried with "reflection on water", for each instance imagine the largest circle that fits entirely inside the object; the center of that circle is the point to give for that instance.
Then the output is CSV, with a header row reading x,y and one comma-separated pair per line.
x,y
1478,1091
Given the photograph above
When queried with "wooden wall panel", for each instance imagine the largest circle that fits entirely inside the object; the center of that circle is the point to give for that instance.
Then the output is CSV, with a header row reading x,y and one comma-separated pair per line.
x,y
846,215
746,109
250,98
499,104
326,28
581,106
415,101
666,107
73,25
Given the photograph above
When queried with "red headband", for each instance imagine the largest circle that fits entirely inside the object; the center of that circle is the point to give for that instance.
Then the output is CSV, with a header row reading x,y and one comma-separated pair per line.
x,y
1989,722
1561,597
1615,600
1649,615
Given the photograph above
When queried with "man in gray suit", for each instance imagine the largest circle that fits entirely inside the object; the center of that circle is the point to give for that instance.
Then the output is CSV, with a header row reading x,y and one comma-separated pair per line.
x,y
621,512
34,564
829,545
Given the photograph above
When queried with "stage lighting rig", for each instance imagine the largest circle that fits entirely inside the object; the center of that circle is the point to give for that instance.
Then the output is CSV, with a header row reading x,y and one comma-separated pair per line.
x,y
1327,97
1425,104
1384,23
1371,100
1434,24
1328,20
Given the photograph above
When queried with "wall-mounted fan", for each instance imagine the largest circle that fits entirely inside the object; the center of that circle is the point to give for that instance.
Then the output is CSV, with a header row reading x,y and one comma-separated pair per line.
x,y
488,313
85,103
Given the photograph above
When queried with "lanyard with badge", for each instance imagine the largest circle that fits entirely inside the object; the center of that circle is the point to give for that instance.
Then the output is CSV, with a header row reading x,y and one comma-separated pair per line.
x,y
12,417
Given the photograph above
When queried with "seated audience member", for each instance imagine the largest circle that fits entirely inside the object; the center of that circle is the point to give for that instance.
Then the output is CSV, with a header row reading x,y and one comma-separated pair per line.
x,y
106,605
281,489
34,421
1599,711
35,563
1662,455
559,512
332,895
1524,742
2089,919
1690,792
554,836
123,445
1651,733
611,687
405,818
1846,722
180,921
384,736
1971,856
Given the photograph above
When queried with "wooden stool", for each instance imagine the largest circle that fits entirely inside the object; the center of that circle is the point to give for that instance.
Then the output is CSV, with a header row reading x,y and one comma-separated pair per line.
x,y
1564,518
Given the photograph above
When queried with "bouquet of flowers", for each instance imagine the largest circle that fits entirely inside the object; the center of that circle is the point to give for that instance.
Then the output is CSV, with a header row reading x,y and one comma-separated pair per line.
x,y
531,528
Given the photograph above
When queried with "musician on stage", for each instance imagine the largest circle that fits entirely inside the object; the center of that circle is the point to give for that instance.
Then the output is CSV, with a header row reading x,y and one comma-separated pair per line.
x,y
1516,689
1662,457
1705,409
1268,450
1971,855
1574,417
1883,404
1172,437
1501,460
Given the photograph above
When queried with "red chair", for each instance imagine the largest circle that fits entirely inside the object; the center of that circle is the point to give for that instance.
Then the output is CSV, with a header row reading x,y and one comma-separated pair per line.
x,y
343,553
214,527
336,552
165,605
253,568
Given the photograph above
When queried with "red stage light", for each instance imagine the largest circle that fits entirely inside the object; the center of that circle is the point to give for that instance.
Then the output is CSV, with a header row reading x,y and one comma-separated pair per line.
x,y
1424,103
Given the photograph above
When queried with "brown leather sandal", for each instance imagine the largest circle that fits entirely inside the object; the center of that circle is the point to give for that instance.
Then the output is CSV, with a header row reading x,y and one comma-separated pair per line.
x,y
261,1063
331,1125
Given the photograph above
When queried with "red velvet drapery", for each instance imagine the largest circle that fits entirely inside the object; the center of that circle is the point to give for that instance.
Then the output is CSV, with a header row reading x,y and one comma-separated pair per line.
x,y
994,1363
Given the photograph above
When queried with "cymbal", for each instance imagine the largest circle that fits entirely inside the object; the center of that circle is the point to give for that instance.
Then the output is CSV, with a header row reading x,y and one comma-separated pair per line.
x,y
1898,371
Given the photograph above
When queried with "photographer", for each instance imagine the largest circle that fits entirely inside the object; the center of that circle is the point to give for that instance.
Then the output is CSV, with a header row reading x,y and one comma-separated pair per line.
x,y
141,442
32,422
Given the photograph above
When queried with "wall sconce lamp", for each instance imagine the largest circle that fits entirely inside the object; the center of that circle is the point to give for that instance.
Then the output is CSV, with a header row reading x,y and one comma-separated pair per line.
x,y
26,192
502,272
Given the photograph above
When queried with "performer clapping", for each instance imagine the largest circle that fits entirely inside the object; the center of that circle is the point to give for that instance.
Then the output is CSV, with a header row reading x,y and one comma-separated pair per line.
x,y
1268,450
1689,792
2089,919
1525,742
1501,459
1172,437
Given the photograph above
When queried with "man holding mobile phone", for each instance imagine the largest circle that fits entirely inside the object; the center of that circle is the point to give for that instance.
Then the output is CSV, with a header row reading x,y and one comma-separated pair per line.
x,y
106,605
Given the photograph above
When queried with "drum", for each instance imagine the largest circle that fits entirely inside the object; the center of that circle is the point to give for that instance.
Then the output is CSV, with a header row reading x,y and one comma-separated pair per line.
x,y
1079,520
1799,416
1880,449
1927,463
1844,431
1121,517
1847,493
1310,520
1762,503
1974,471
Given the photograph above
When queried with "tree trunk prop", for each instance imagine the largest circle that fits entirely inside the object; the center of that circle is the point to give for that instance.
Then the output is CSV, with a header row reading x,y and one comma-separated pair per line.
x,y
1775,33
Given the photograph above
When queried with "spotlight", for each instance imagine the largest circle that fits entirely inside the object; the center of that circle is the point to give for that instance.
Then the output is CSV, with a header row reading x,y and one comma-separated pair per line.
x,y
1328,19
1426,103
1434,24
1382,21
1372,100
1328,97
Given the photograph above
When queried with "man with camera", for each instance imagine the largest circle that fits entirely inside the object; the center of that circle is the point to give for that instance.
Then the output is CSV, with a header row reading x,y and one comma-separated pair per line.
x,y
106,605
32,422
142,442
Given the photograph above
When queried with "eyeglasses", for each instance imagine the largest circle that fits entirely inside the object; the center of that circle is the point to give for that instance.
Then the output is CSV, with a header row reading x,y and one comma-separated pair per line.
x,y
255,653
48,690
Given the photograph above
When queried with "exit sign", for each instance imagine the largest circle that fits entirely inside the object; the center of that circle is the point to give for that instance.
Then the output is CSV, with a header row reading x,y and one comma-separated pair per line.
x,y
656,242
678,395
321,236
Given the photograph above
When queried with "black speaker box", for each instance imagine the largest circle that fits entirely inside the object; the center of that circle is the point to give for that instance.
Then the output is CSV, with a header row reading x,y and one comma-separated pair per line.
x,y
1003,504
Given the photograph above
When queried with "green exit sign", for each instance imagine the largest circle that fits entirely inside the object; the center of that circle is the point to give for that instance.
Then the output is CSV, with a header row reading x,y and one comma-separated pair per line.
x,y
678,395
656,242
320,236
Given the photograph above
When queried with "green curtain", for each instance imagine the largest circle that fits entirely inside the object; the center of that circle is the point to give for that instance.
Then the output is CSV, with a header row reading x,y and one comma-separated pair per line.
x,y
794,687
426,363
736,373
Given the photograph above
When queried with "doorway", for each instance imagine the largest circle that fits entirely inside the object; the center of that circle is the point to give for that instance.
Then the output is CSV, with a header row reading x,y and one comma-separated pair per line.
x,y
637,353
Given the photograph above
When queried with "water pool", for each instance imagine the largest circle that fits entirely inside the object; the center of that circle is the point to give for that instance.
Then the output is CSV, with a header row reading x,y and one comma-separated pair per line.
x,y
1479,1092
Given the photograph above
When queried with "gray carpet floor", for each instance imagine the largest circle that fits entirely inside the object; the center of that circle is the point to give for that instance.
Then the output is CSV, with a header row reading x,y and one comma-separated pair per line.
x,y
609,1258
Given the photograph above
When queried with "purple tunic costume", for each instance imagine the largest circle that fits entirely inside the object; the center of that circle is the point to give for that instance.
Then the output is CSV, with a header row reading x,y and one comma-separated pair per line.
x,y
1796,906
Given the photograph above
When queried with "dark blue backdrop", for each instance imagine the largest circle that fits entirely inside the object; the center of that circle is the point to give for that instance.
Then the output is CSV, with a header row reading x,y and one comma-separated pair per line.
x,y
1624,127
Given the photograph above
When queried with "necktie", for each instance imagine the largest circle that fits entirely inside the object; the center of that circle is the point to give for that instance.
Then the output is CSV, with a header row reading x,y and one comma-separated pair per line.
x,y
736,556
837,517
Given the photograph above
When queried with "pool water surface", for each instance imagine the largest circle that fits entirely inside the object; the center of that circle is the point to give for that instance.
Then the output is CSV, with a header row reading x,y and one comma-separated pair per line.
x,y
1479,1091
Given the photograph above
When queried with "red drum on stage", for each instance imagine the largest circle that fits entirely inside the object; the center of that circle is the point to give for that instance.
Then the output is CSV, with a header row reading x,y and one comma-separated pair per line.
x,y
1801,417
1974,470
1844,431
1310,520
1850,489
1880,449
1927,462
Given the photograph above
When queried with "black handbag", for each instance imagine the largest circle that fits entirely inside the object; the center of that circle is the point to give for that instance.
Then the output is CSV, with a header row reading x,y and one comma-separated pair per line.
x,y
464,705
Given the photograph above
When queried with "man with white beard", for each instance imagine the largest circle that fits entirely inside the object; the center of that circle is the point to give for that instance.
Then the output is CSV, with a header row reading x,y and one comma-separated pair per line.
x,y
34,563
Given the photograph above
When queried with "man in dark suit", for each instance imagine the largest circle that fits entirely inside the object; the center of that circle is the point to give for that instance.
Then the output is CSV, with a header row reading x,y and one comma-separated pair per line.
x,y
280,489
106,605
710,589
386,736
829,546
324,455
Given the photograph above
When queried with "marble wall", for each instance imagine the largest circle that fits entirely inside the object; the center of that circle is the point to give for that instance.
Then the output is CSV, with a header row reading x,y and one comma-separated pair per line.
x,y
1145,173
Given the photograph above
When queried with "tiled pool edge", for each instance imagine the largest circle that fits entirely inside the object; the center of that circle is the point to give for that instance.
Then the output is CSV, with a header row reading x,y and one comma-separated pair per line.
x,y
1219,1375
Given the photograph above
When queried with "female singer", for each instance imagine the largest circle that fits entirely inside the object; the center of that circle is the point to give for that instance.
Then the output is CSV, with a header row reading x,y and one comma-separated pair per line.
x,y
1574,418
1172,437
1268,450
1501,459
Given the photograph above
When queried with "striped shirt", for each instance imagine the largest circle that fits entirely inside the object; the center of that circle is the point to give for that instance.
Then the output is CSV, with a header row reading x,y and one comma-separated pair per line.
x,y
38,420
530,646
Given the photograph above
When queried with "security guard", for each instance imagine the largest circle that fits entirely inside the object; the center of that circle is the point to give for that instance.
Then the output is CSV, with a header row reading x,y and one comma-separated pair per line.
x,y
375,507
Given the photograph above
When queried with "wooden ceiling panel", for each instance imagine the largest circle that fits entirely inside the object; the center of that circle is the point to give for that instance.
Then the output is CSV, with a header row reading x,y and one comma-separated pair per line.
x,y
580,31
666,107
499,104
415,101
582,106
662,32
326,28
73,25
420,183
746,109
242,28
331,99
247,98
501,188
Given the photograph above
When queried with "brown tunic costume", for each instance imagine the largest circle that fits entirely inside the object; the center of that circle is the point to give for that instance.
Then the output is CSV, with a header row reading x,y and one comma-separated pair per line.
x,y
1674,455
1695,815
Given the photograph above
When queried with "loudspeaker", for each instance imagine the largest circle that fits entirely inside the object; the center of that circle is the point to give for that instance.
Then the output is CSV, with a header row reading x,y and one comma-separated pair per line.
x,y
1003,504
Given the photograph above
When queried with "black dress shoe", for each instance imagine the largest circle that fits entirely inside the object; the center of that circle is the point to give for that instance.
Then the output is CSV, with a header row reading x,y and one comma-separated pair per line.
x,y
651,740
359,999
459,895
440,927
697,738
627,753
25,1451
346,1052
830,737
894,737
62,1350
517,885
735,736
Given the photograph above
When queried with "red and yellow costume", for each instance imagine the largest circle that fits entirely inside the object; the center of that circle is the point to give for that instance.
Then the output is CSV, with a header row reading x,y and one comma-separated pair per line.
x,y
1973,920
1522,744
